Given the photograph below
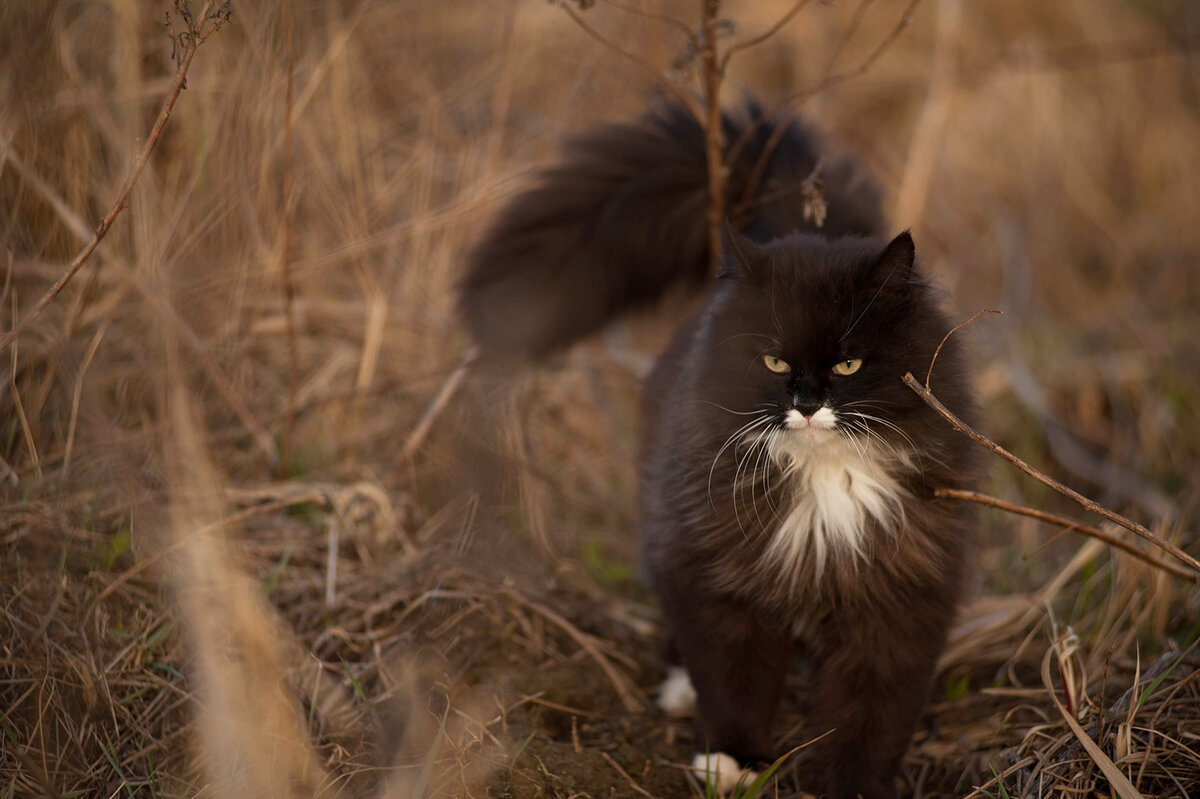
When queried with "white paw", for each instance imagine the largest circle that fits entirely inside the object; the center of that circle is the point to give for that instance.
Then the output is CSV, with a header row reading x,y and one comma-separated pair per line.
x,y
676,696
722,772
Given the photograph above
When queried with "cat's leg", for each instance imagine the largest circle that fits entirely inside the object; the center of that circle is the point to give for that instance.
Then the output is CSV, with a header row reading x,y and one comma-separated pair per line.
x,y
676,694
737,667
872,672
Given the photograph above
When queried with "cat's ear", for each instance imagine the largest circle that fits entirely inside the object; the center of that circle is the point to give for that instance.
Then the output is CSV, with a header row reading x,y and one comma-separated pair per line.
x,y
894,272
740,257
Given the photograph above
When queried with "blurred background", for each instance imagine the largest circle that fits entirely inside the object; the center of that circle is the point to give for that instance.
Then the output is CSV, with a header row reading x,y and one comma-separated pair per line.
x,y
267,336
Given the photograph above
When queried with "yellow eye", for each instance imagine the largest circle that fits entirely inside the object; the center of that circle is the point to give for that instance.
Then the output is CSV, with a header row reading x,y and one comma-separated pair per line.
x,y
848,367
777,365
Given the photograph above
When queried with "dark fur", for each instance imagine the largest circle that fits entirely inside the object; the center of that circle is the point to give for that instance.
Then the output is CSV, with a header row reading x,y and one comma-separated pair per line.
x,y
619,220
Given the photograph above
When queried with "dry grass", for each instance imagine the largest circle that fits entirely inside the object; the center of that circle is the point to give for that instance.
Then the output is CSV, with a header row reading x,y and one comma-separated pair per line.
x,y
184,614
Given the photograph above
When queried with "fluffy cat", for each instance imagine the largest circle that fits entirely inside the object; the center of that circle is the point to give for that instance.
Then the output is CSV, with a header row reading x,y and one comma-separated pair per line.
x,y
787,475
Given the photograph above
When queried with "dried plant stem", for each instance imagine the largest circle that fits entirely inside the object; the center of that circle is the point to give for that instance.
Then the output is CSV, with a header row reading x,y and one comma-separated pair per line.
x,y
285,259
632,782
830,79
688,102
1117,780
666,19
762,37
711,71
1070,525
865,65
417,436
925,394
190,44
628,695
946,338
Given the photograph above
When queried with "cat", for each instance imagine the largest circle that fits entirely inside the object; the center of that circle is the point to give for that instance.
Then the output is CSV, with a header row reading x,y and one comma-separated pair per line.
x,y
787,476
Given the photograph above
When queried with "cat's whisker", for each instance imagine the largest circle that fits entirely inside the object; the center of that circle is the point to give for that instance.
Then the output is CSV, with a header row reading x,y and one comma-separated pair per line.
x,y
873,437
733,440
736,439
756,412
763,444
757,447
866,417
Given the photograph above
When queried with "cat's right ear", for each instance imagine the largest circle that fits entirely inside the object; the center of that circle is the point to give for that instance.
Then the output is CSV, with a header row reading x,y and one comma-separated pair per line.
x,y
740,257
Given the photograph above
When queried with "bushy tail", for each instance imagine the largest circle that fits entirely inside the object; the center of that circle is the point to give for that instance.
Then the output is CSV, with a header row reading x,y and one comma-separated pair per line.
x,y
621,217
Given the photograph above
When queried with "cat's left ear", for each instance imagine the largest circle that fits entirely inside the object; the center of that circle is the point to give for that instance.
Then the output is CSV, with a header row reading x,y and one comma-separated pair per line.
x,y
740,257
894,272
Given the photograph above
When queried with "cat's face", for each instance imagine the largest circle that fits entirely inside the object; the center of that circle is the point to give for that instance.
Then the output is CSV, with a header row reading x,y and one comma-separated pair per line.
x,y
813,337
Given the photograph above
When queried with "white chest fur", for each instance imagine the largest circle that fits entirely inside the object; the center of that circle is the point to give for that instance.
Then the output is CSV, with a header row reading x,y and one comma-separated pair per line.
x,y
837,486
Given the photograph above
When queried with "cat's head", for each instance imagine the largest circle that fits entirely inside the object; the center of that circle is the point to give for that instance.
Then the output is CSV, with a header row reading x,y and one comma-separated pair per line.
x,y
814,335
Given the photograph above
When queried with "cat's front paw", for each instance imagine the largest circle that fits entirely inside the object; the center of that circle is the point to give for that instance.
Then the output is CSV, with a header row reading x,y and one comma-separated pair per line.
x,y
722,772
676,696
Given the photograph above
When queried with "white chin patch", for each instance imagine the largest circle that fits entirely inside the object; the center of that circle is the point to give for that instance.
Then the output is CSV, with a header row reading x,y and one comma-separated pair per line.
x,y
839,486
676,696
823,419
722,772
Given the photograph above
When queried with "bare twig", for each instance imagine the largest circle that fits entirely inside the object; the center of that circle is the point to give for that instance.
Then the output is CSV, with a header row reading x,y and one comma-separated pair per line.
x,y
946,338
925,394
417,436
185,44
711,72
1070,525
785,117
762,37
666,19
630,699
860,14
617,767
285,258
688,102
865,65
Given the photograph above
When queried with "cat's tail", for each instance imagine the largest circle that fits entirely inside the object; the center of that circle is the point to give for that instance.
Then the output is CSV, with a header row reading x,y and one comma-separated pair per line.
x,y
621,217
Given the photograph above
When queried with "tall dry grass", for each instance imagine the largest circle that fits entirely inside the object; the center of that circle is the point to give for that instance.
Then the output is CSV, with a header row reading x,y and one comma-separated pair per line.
x,y
284,273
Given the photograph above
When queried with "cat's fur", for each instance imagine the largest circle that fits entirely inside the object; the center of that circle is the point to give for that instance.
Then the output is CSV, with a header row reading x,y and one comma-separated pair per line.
x,y
787,511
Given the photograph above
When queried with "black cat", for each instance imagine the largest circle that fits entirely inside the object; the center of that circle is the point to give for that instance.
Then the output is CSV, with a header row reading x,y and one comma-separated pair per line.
x,y
787,475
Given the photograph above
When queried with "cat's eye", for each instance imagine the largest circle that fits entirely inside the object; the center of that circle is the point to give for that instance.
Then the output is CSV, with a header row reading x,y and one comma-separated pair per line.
x,y
777,365
848,367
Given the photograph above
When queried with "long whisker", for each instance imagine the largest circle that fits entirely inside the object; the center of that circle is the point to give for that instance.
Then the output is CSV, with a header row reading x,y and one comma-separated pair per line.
x,y
885,423
757,412
733,439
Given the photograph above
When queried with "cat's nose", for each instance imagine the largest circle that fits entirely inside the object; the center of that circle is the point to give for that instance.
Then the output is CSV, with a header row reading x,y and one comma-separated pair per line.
x,y
807,408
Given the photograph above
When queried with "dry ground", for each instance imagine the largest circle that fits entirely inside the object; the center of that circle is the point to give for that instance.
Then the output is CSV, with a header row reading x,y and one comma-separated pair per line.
x,y
231,565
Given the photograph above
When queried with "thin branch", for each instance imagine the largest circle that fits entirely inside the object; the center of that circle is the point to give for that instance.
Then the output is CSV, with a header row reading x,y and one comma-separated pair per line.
x,y
425,424
285,259
666,19
832,80
711,72
762,37
784,119
946,338
1070,525
190,41
633,783
688,102
860,14
925,394
630,698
